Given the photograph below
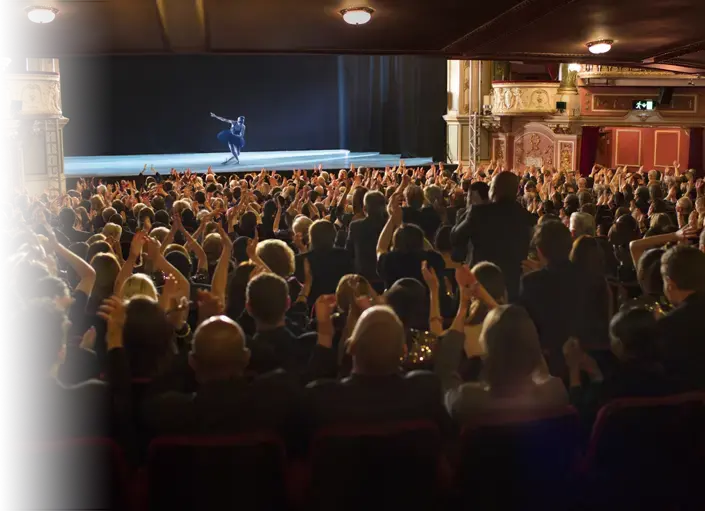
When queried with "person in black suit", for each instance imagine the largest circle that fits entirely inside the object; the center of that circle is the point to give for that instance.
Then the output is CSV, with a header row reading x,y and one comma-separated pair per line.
x,y
36,406
376,389
362,238
499,232
225,401
555,295
681,330
67,219
274,346
328,263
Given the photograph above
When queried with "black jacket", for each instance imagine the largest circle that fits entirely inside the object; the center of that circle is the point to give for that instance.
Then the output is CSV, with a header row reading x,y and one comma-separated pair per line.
x,y
682,333
362,246
500,233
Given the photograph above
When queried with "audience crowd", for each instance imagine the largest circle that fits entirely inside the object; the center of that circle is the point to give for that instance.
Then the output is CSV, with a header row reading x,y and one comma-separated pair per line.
x,y
212,304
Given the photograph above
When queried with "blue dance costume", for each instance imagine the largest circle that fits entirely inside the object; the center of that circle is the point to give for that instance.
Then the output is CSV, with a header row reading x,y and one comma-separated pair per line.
x,y
234,137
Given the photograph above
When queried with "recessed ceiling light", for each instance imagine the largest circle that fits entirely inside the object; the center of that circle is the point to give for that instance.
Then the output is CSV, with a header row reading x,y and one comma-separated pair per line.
x,y
602,46
574,67
357,15
39,14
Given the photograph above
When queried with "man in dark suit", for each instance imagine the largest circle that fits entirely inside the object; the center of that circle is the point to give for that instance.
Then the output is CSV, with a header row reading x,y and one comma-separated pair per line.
x,y
555,294
362,238
376,390
681,330
225,401
328,263
67,219
274,345
499,232
37,406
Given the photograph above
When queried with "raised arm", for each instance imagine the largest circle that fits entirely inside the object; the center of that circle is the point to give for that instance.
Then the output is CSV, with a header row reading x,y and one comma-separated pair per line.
x,y
85,271
223,119
129,265
220,275
638,247
394,221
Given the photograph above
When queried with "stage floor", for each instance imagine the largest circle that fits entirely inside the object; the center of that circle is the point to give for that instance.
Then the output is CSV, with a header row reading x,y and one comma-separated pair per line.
x,y
87,166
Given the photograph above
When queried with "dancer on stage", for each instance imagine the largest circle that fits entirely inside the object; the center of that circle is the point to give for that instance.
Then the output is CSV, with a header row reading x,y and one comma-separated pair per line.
x,y
234,137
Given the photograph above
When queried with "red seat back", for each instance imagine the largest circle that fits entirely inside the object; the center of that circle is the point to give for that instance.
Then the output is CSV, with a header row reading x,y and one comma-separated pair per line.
x,y
81,473
510,459
245,471
393,465
648,447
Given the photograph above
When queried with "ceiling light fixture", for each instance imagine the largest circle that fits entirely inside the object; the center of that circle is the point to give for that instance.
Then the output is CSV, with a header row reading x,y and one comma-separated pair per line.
x,y
357,15
39,14
599,47
575,67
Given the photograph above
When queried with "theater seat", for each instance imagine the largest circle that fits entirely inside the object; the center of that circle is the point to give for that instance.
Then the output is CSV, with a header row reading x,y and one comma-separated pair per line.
x,y
394,465
648,452
81,473
244,471
511,461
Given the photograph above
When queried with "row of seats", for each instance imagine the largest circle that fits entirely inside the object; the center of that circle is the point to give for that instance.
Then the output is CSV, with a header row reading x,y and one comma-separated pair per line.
x,y
642,454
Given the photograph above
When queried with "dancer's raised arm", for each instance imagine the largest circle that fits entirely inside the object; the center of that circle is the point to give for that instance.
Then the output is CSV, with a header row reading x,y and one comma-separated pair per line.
x,y
221,118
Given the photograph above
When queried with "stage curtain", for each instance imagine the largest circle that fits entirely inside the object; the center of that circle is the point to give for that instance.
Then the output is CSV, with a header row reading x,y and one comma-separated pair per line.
x,y
392,104
588,148
696,158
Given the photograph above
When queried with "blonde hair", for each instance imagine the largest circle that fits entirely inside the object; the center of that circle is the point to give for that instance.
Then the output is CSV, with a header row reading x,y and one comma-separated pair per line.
x,y
139,284
137,208
277,256
106,268
97,203
95,238
112,230
159,233
180,206
175,247
213,246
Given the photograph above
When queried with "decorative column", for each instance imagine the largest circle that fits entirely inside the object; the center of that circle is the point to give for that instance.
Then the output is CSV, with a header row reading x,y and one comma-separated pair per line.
x,y
35,121
468,82
568,90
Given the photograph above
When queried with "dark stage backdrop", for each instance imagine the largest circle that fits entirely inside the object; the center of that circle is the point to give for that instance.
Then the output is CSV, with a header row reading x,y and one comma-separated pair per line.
x,y
161,104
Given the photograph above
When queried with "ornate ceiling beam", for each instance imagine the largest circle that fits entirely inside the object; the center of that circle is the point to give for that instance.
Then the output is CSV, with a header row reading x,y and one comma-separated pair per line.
x,y
674,53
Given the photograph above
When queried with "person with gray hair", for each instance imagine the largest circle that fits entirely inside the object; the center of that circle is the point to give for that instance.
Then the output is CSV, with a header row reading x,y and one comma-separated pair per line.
x,y
582,224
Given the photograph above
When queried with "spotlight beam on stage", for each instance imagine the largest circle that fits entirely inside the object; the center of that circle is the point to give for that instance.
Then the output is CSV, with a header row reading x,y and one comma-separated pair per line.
x,y
131,165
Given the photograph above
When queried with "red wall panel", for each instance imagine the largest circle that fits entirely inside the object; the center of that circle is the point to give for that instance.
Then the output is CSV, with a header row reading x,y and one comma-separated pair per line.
x,y
650,147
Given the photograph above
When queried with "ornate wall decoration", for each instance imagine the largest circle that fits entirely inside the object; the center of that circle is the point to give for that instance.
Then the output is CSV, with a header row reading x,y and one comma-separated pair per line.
x,y
682,103
465,96
39,94
533,149
565,151
600,71
517,98
498,154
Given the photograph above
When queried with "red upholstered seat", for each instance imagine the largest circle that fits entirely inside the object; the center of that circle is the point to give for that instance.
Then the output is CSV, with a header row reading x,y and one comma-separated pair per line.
x,y
391,465
507,461
246,471
81,473
648,452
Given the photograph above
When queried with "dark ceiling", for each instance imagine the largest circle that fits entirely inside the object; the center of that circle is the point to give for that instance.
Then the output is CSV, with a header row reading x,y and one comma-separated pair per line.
x,y
669,34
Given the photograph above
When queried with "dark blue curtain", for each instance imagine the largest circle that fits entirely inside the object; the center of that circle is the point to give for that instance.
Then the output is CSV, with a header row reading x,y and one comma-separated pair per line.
x,y
392,104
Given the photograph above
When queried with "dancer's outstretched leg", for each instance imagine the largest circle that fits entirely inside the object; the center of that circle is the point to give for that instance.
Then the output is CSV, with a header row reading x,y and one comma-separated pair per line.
x,y
232,148
237,154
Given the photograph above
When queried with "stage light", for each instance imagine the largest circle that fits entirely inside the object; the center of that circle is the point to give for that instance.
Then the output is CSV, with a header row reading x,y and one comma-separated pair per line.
x,y
598,47
357,15
38,14
574,67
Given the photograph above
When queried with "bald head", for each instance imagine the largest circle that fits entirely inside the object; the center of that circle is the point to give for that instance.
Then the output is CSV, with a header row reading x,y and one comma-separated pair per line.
x,y
377,342
219,350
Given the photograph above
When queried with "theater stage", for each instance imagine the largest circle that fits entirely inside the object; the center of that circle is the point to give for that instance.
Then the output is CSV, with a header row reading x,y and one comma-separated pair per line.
x,y
87,166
